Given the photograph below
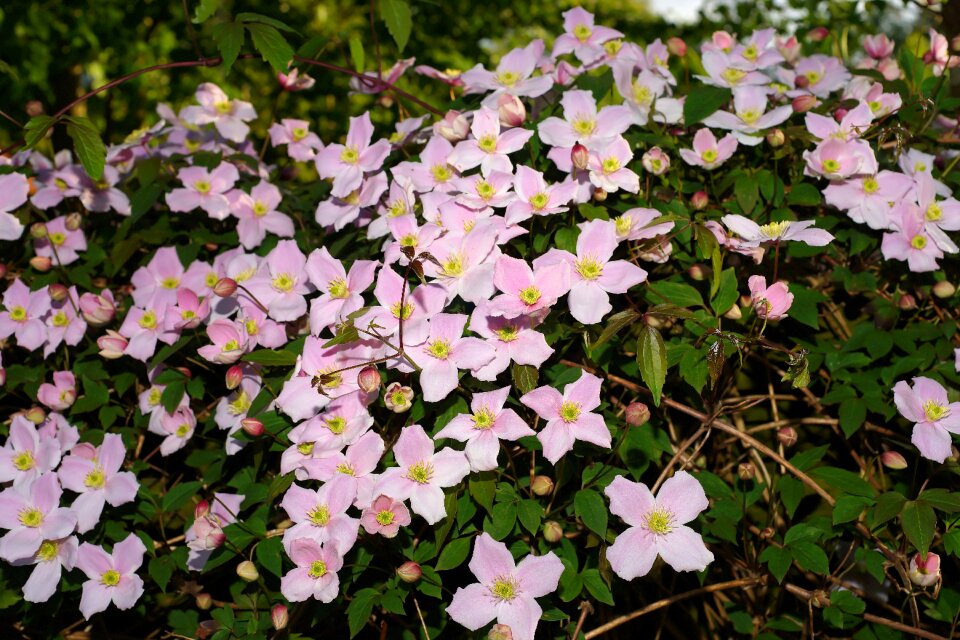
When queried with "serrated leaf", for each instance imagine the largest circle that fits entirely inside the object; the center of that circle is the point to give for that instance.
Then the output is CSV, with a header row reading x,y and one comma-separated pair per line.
x,y
396,15
256,18
525,377
615,324
727,293
178,495
36,129
849,508
703,101
161,570
271,44
810,556
652,360
889,505
88,145
229,37
356,54
590,507
205,9
715,361
778,561
919,523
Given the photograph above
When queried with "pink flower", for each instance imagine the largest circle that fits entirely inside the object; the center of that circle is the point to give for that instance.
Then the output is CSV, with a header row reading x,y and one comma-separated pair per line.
x,y
257,214
727,70
513,340
444,352
935,417
300,398
582,37
535,197
98,309
655,161
910,241
485,427
526,290
356,466
26,455
748,120
582,123
103,195
372,83
341,292
204,535
286,284
433,171
479,192
512,76
447,76
646,95
657,526
60,395
295,81
869,200
635,224
204,189
143,328
50,559
61,244
228,116
878,46
156,284
111,578
422,474
419,305
823,74
753,235
488,148
385,516
593,274
31,513
925,572
321,515
188,313
316,572
608,167
938,215
302,144
939,54
466,262
95,474
24,313
346,163
837,159
400,203
339,212
408,233
707,152
229,343
569,416
771,303
178,428
14,188
63,324
505,591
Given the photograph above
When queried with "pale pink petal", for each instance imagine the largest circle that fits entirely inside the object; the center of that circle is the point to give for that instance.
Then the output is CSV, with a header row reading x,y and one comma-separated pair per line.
x,y
683,549
632,554
683,496
472,607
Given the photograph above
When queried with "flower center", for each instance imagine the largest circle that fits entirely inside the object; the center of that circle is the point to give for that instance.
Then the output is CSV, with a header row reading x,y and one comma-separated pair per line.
x,y
318,569
299,133
623,225
260,209
485,190
31,517
813,76
183,430
224,107
733,76
610,165
47,551
918,242
18,314
483,419
284,282
583,126
202,186
421,472
24,461
397,208
440,172
110,578
149,319
934,212
338,288
831,166
589,268
242,402
935,411
96,478
750,53
504,589
612,47
405,313
320,515
488,143
305,448
385,517
57,238
582,32
398,398
508,78
658,521
346,469
154,396
529,295
709,155
408,240
642,94
870,185
569,411
188,314
749,116
350,155
336,424
250,325
439,349
60,319
539,201
507,333
170,282
454,265
774,230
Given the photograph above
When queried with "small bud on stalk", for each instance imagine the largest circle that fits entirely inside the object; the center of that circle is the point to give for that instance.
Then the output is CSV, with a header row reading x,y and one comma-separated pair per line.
x,y
552,531
637,414
699,200
225,287
252,427
234,376
409,572
58,292
500,632
111,345
279,616
893,460
944,289
41,263
580,156
511,110
369,379
541,486
204,601
248,571
787,436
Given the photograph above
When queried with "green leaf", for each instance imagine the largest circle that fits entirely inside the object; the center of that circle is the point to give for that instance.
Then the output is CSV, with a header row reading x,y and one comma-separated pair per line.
x,y
524,376
804,194
852,415
941,499
453,554
36,129
810,556
205,9
172,395
778,560
269,554
889,505
271,357
589,507
161,570
747,192
676,293
261,19
849,508
396,15
229,37
178,495
502,518
482,490
919,523
594,583
272,45
530,513
727,294
95,395
804,307
652,360
703,101
360,609
356,54
615,324
88,145
845,481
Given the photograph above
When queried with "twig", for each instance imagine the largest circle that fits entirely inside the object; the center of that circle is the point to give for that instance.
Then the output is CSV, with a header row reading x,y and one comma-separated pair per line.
x,y
585,609
420,615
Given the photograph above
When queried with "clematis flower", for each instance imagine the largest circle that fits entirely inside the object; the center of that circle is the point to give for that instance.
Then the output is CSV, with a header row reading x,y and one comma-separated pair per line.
x,y
302,144
750,116
206,532
823,74
31,513
229,342
753,235
339,212
63,324
444,352
583,124
143,328
419,305
400,202
316,572
156,284
506,591
232,409
513,76
188,313
23,316
449,77
466,263
63,182
283,292
878,46
939,54
408,233
60,395
302,397
513,340
938,216
608,167
527,290
228,116
569,416
483,429
724,69
346,163
49,561
910,241
707,151
489,148
925,571
257,214
341,292
321,515
372,82
94,473
111,577
836,159
535,197
177,427
385,516
581,37
646,95
657,526
61,245
422,474
479,192
14,189
356,466
204,189
103,194
925,403
869,199
434,171
26,455
635,224
771,303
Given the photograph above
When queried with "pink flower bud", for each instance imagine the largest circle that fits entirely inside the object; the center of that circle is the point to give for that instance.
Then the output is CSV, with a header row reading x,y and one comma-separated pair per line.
x,y
552,531
637,414
802,104
541,486
57,292
3,270
201,510
38,231
893,460
801,82
746,471
699,200
944,289
36,415
656,161
409,571
453,128
293,81
955,44
906,302
369,379
878,47
770,303
676,47
111,345
234,376
225,287
3,376
818,34
279,616
580,156
511,110
41,263
500,632
787,436
776,138
252,427
925,572
839,113
789,48
599,195
204,601
723,40
734,313
72,221
98,310
398,398
697,272
247,571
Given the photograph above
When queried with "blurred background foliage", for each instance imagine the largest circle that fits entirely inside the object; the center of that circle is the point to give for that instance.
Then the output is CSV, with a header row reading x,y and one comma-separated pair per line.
x,y
52,51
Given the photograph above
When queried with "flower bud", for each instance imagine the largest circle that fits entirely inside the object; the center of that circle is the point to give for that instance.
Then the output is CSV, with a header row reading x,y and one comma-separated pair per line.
x,y
247,571
676,47
637,414
925,572
453,128
802,104
541,485
656,161
818,34
57,292
893,460
500,632
38,231
839,113
787,436
766,533
734,313
98,310
552,531
72,221
878,47
234,376
398,398
906,302
201,510
225,287
699,200
776,138
801,82
599,195
653,321
697,272
252,427
36,415
206,629
204,601
3,376
746,471
279,616
111,345
944,289
511,110
369,379
580,157
409,572
41,263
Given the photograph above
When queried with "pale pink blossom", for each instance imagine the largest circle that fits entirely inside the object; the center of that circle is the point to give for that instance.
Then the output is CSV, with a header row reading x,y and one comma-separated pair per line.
x,y
444,352
31,513
527,290
111,577
316,572
513,76
94,473
583,123
60,395
770,303
302,144
569,416
708,152
925,403
489,148
753,235
257,214
228,116
340,291
321,515
346,163
204,189
385,516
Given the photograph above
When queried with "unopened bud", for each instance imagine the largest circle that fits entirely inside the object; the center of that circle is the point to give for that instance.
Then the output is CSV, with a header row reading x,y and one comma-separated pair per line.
x,y
34,108
369,379
655,161
541,485
925,571
776,138
906,302
201,510
3,376
279,616
637,414
72,221
580,157
511,110
500,632
653,321
893,460
398,398
787,436
409,572
552,531
3,270
802,104
453,128
252,427
676,47
111,345
36,415
247,571
98,310
839,113
766,533
41,263
746,471
204,601
38,231
699,200
944,289
234,376
734,313
818,34
185,372
599,195
225,287
57,292
697,272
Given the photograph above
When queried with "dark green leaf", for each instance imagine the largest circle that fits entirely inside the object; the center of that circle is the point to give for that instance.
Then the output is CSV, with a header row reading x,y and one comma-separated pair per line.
x,y
360,609
88,144
524,376
179,495
652,360
161,569
615,324
703,101
530,513
205,9
272,358
453,554
261,19
229,37
810,557
778,560
919,523
272,46
356,54
727,293
590,507
396,15
36,129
